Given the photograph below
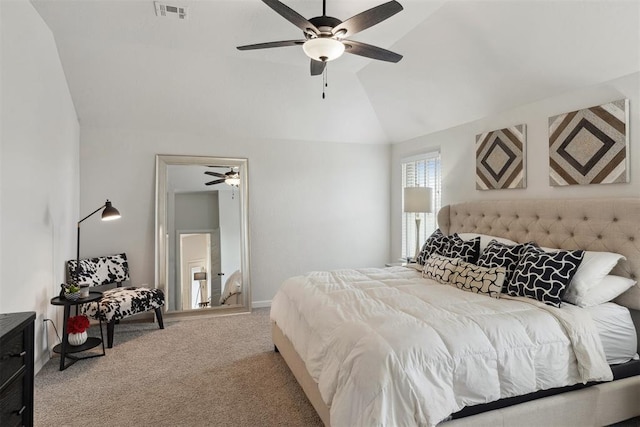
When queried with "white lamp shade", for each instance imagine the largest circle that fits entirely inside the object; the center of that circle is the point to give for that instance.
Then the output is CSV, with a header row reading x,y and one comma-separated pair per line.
x,y
417,199
323,49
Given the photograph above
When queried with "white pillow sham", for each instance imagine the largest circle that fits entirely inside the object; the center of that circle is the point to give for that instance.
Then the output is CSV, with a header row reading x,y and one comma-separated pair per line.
x,y
592,270
485,239
609,288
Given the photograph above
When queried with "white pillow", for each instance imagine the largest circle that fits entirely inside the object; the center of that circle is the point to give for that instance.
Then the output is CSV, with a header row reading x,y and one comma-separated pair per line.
x,y
593,268
485,239
608,289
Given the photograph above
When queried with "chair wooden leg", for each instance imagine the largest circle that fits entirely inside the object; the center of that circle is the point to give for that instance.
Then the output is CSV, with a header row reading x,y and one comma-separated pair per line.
x,y
159,317
110,328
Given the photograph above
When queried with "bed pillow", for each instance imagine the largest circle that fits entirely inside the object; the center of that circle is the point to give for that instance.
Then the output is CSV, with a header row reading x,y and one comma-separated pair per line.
x,y
594,267
609,288
466,250
439,268
485,239
502,255
480,280
544,275
435,244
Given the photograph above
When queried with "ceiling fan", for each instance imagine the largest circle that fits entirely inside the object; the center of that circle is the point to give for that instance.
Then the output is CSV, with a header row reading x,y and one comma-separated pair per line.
x,y
231,178
325,36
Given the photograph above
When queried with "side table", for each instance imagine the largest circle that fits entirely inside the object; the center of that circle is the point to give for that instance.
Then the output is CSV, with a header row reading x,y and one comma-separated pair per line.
x,y
64,348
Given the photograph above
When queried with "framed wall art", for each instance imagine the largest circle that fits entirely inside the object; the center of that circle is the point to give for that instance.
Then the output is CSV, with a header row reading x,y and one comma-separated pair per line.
x,y
590,146
500,158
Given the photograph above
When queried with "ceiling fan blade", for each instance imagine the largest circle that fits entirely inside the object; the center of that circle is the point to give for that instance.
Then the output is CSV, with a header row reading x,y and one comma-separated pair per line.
x,y
217,181
317,67
292,16
367,19
373,52
219,175
267,45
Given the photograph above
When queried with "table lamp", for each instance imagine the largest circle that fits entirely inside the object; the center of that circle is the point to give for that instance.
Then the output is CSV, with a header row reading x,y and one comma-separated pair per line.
x,y
417,200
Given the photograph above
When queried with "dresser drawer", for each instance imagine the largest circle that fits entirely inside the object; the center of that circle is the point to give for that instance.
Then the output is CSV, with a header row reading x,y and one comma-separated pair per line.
x,y
12,357
12,406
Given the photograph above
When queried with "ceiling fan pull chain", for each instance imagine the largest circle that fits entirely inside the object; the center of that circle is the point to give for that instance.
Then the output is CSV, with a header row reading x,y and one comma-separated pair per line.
x,y
324,81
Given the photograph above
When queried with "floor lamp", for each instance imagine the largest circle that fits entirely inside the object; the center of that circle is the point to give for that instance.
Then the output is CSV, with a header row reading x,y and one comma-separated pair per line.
x,y
108,214
200,277
417,200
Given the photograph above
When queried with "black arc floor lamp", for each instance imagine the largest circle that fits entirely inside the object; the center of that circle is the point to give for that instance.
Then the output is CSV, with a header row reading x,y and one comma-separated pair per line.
x,y
108,214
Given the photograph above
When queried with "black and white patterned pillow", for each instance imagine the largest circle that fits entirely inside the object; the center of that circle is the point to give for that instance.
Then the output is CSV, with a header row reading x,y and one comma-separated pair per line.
x,y
544,275
435,244
480,280
439,268
466,250
498,254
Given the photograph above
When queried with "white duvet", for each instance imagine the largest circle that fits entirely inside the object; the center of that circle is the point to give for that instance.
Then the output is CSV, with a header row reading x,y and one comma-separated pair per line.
x,y
387,347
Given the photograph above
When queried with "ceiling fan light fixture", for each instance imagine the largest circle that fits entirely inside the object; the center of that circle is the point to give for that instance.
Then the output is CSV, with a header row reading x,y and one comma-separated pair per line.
x,y
323,49
233,181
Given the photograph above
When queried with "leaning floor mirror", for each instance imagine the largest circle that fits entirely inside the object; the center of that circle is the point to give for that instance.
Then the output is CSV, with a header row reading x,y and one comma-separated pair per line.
x,y
202,244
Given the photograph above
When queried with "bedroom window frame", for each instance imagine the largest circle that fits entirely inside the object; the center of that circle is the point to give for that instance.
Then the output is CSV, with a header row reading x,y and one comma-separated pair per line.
x,y
423,170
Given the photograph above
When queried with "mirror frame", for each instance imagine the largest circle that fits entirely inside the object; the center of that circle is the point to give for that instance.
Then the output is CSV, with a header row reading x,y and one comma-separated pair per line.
x,y
162,239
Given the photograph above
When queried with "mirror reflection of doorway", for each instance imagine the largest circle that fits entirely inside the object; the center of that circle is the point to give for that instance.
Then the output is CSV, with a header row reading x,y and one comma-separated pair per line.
x,y
199,252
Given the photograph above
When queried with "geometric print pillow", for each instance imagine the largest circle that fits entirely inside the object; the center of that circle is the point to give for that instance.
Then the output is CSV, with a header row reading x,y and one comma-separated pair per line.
x,y
435,244
544,275
499,254
467,251
440,268
480,280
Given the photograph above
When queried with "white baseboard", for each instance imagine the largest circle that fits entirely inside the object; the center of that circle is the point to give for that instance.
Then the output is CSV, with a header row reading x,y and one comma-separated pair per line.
x,y
261,304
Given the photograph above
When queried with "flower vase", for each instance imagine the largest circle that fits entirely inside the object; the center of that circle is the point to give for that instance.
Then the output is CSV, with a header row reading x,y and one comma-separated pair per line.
x,y
77,339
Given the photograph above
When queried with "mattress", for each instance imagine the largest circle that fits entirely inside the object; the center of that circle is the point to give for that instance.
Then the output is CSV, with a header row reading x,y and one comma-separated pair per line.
x,y
616,331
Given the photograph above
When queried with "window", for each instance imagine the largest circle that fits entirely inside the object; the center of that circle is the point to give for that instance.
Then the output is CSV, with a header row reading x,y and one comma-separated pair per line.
x,y
420,171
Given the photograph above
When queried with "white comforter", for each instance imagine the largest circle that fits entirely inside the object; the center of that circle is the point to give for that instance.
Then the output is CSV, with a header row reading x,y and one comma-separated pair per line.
x,y
390,348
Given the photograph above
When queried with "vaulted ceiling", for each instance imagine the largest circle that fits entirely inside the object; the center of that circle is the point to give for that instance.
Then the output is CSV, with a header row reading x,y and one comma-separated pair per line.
x,y
463,60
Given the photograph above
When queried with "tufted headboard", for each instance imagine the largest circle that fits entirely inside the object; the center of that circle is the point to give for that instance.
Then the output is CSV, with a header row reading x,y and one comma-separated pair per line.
x,y
611,225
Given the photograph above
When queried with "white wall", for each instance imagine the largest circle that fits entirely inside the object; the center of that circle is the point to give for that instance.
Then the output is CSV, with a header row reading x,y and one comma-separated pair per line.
x,y
457,147
39,170
311,205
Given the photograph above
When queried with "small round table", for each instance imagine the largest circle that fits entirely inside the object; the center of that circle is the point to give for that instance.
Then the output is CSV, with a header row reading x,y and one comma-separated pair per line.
x,y
64,349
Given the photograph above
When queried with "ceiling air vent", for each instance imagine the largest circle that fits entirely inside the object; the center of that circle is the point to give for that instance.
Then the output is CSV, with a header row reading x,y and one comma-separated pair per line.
x,y
170,11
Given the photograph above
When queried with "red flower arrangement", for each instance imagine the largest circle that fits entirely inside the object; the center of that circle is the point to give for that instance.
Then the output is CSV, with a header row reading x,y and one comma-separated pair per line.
x,y
77,324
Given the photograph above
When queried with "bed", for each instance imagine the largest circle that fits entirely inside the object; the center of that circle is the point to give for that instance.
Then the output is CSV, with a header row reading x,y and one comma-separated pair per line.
x,y
326,358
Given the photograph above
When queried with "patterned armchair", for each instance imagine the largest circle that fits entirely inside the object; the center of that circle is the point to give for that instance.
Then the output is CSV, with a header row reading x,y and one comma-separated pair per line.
x,y
106,274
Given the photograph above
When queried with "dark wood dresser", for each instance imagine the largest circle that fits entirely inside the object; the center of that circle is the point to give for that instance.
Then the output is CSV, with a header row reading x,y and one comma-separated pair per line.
x,y
16,369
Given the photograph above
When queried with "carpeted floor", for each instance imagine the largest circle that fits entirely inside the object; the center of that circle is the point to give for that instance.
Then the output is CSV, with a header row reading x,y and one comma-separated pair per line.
x,y
218,371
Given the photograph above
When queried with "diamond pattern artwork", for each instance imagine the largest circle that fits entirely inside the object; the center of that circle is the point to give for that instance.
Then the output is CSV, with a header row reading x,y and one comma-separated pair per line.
x,y
590,146
500,158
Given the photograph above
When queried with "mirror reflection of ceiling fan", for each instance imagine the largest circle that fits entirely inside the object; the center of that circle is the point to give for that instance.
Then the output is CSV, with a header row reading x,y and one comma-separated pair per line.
x,y
231,178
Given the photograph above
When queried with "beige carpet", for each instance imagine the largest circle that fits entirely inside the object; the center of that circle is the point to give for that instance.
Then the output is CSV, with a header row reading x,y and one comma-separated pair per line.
x,y
218,371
